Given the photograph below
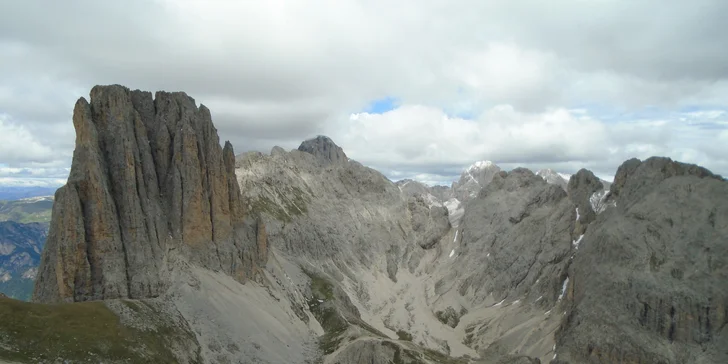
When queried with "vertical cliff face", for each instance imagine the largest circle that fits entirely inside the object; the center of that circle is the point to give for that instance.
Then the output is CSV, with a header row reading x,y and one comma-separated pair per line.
x,y
148,179
581,187
651,273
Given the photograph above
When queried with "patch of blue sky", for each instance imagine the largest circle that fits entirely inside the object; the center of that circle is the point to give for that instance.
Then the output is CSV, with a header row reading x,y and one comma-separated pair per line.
x,y
382,105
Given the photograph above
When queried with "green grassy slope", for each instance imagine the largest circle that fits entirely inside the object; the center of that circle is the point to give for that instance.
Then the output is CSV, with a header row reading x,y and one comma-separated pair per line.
x,y
27,210
91,332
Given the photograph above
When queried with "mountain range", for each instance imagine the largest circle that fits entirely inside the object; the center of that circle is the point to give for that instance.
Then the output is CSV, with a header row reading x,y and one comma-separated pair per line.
x,y
23,230
166,247
20,249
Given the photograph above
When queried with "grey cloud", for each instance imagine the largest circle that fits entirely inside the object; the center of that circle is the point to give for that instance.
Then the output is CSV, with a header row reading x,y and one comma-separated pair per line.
x,y
309,76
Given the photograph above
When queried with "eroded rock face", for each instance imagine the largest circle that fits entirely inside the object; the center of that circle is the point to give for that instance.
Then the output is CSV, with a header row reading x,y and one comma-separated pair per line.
x,y
148,177
473,179
324,149
516,239
634,178
581,187
430,223
652,272
553,177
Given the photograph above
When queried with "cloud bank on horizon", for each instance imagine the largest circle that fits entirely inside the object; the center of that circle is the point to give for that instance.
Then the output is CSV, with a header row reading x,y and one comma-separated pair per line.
x,y
419,89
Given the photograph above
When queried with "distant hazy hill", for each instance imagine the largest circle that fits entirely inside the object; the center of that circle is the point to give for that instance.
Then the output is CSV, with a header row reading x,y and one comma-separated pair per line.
x,y
34,209
20,248
17,188
23,229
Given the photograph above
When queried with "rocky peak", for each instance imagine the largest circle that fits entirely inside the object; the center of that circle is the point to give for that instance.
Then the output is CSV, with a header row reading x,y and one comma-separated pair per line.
x,y
481,165
148,179
651,263
515,179
411,187
581,188
635,178
473,179
519,225
324,149
553,177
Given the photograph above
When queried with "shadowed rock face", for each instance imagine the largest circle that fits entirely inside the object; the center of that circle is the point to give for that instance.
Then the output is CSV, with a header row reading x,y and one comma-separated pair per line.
x,y
324,149
580,188
651,275
516,239
148,177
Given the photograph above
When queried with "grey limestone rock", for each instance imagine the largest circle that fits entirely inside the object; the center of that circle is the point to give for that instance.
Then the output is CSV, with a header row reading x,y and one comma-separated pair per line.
x,y
473,179
375,351
148,176
581,188
430,223
323,210
649,285
324,149
553,177
516,239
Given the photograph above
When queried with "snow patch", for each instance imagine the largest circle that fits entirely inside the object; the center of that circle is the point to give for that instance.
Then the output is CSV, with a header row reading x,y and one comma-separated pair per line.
x,y
598,201
432,200
538,299
577,241
547,312
499,303
480,165
473,179
455,211
452,204
553,177
452,252
456,236
577,214
563,288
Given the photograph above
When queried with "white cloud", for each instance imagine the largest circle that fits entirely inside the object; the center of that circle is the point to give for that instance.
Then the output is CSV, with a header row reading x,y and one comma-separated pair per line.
x,y
505,72
411,139
18,145
276,72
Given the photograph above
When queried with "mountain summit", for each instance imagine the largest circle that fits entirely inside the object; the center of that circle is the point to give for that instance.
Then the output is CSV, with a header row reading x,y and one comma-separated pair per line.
x,y
553,177
324,149
148,180
473,179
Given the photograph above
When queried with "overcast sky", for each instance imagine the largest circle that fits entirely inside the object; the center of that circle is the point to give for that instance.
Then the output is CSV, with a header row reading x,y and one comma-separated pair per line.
x,y
415,88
